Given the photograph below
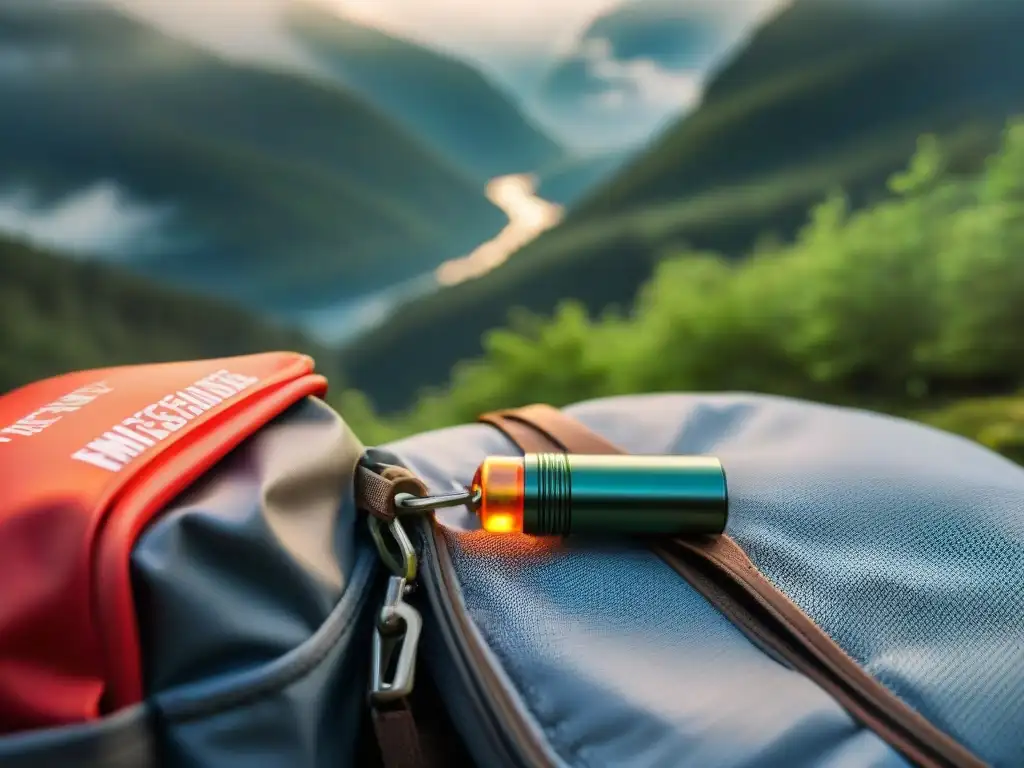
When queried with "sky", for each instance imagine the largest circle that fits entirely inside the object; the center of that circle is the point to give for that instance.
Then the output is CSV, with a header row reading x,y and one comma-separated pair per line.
x,y
481,29
248,30
486,28
513,42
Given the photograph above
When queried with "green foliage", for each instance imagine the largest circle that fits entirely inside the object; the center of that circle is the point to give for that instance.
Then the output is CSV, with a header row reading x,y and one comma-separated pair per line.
x,y
59,315
901,305
910,306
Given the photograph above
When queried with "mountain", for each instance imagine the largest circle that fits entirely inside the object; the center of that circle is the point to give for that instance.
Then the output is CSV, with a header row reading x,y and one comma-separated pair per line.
x,y
445,101
568,179
276,190
638,65
59,314
829,93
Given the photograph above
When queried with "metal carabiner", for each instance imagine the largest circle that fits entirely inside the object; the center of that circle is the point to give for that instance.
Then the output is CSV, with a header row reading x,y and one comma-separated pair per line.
x,y
405,567
397,632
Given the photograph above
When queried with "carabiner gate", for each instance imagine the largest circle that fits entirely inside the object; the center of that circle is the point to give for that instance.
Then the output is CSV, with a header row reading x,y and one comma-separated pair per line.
x,y
405,565
395,642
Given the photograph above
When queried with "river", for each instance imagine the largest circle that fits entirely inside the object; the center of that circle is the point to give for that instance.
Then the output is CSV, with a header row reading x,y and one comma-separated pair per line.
x,y
528,216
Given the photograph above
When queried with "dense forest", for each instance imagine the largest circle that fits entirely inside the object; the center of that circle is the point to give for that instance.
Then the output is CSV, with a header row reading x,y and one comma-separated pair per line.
x,y
59,315
911,306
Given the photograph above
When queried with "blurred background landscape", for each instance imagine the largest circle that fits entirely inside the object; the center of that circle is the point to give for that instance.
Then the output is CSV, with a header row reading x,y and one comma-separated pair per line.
x,y
456,206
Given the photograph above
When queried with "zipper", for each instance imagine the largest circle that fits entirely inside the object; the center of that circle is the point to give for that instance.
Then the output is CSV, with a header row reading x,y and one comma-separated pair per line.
x,y
721,571
509,735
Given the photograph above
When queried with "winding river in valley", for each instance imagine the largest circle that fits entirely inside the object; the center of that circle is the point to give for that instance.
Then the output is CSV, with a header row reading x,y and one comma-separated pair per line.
x,y
528,216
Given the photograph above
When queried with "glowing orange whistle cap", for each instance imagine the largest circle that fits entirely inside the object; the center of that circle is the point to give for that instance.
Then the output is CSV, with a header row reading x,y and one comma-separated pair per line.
x,y
500,481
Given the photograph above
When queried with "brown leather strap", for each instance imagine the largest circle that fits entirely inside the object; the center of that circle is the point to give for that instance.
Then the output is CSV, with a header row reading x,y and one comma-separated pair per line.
x,y
528,439
398,738
537,428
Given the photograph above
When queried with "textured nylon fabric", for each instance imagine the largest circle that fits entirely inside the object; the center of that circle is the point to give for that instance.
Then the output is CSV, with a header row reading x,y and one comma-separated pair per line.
x,y
906,545
253,591
250,561
123,740
303,709
614,659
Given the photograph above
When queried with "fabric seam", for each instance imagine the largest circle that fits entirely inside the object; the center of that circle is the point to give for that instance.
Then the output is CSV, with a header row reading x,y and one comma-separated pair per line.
x,y
291,667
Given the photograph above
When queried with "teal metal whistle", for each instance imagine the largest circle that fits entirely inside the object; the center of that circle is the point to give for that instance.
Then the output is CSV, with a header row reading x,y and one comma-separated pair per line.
x,y
555,494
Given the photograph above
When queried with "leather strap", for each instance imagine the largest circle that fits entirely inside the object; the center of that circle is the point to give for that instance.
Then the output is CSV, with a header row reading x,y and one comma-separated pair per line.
x,y
398,738
541,428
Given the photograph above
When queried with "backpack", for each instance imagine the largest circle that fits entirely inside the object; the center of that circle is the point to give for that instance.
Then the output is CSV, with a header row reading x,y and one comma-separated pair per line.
x,y
202,566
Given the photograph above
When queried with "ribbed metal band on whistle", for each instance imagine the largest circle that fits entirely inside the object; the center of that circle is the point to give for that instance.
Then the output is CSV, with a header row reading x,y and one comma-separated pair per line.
x,y
547,510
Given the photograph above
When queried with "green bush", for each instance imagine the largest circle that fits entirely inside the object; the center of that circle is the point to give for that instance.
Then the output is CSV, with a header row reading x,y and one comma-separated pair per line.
x,y
897,306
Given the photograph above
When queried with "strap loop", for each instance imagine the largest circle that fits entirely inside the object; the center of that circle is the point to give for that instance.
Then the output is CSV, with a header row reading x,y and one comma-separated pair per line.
x,y
376,489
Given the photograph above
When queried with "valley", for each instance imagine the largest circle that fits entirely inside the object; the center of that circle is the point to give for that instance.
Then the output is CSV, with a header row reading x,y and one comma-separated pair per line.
x,y
528,216
390,204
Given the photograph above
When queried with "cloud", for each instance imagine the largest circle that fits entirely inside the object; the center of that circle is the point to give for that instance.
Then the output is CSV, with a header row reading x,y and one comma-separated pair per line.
x,y
478,29
494,33
99,220
644,83
638,81
501,38
512,42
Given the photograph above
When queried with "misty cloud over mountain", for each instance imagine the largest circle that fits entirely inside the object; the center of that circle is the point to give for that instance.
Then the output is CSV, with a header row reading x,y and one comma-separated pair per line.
x,y
99,220
640,65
